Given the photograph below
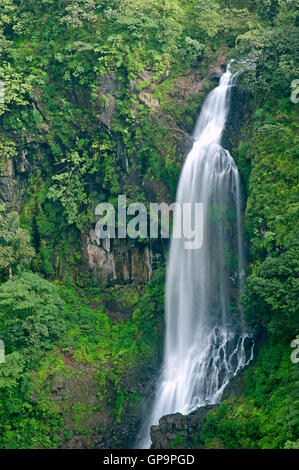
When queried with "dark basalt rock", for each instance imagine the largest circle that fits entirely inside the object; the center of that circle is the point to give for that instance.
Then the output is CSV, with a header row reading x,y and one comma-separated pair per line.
x,y
186,426
13,178
239,111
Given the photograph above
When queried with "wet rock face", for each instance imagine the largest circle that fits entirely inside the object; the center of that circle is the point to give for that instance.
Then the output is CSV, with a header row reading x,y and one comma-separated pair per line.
x,y
108,89
12,179
7,184
116,261
101,431
239,112
156,191
188,426
174,425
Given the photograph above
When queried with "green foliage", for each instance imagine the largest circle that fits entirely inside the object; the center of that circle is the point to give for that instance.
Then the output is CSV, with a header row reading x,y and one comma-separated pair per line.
x,y
154,22
269,10
15,248
46,222
53,98
18,87
149,313
30,311
193,49
270,294
53,336
266,416
79,14
31,322
270,59
12,370
270,298
178,443
76,136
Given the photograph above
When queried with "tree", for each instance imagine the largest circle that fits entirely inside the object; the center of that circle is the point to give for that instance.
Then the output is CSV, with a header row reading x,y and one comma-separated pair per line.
x,y
15,245
80,13
30,314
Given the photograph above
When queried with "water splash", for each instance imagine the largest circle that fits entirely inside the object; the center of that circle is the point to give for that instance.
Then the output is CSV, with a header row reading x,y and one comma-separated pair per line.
x,y
205,344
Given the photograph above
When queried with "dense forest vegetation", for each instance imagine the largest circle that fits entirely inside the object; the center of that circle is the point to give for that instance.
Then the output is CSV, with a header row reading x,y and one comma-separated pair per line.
x,y
100,101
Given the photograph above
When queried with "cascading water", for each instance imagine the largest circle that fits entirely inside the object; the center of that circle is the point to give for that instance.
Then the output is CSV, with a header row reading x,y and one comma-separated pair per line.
x,y
205,344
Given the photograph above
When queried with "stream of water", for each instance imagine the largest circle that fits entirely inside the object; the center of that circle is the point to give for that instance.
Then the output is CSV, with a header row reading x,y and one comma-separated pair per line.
x,y
206,343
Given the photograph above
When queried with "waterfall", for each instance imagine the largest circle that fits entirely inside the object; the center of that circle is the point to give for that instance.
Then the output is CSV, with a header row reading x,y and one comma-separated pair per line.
x,y
206,343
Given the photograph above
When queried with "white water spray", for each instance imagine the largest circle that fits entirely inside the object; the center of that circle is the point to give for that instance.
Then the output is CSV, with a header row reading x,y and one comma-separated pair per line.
x,y
205,344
